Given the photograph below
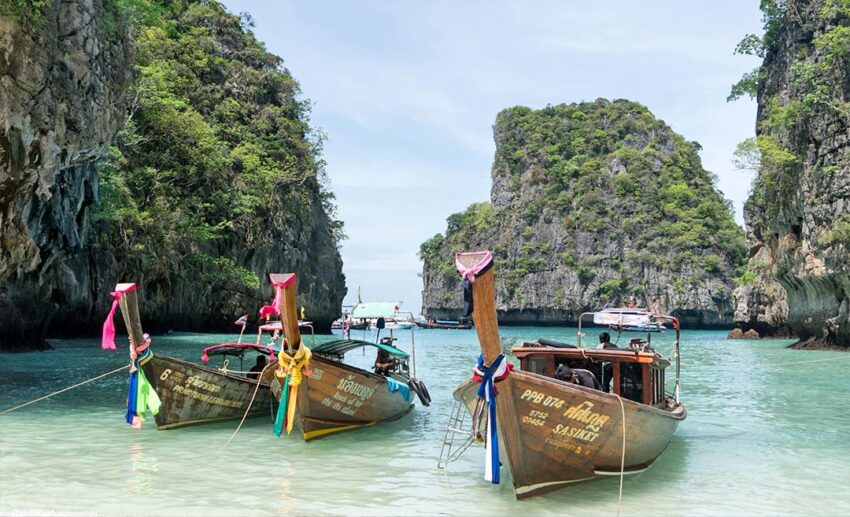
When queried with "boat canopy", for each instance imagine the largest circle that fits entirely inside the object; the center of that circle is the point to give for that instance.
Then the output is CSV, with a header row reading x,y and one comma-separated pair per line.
x,y
375,310
278,325
341,346
236,349
630,319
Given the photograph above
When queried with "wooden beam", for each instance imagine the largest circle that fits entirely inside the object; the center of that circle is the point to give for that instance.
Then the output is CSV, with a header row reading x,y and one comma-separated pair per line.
x,y
288,307
129,304
484,315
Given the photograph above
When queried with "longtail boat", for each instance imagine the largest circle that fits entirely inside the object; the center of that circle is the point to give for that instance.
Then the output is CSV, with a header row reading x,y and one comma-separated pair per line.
x,y
444,326
184,393
554,432
323,395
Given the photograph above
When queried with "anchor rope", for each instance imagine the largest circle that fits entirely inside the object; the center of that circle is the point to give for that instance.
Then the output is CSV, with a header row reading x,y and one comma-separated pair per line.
x,y
248,409
63,390
813,361
623,457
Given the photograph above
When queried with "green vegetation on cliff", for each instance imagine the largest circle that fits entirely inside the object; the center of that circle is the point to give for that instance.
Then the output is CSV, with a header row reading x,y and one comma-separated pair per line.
x,y
599,194
798,221
815,80
216,139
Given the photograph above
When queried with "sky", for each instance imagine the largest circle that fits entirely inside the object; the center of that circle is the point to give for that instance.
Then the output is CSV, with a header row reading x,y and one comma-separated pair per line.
x,y
407,93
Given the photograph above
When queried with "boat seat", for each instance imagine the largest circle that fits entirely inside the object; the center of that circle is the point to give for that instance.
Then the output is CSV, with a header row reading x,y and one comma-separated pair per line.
x,y
555,344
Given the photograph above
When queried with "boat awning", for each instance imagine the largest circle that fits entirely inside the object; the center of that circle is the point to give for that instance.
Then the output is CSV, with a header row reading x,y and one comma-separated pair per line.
x,y
278,325
236,349
341,346
375,310
622,317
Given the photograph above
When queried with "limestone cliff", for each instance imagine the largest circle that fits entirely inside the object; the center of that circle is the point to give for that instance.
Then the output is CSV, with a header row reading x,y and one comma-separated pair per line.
x,y
63,74
592,203
213,181
798,216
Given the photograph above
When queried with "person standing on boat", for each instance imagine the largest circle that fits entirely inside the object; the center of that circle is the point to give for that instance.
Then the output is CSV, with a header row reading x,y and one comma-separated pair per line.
x,y
607,367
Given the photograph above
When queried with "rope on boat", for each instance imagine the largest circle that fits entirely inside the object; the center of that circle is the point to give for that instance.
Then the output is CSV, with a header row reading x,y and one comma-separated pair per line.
x,y
250,403
813,361
63,390
623,457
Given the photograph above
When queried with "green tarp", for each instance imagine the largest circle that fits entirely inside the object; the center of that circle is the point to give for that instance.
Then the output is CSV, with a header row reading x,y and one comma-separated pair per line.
x,y
342,346
374,310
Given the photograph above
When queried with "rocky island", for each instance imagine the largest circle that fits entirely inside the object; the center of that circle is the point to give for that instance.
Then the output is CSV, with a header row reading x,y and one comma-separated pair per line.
x,y
592,203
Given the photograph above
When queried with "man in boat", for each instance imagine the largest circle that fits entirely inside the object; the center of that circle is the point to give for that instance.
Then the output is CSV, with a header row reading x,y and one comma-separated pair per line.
x,y
257,369
605,341
384,364
577,376
607,368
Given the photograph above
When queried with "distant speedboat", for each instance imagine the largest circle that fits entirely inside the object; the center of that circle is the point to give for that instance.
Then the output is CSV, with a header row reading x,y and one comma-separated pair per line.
x,y
439,324
393,324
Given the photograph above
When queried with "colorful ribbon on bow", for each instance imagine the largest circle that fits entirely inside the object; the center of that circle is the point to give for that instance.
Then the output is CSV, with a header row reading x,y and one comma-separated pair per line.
x,y
108,339
486,377
141,396
291,372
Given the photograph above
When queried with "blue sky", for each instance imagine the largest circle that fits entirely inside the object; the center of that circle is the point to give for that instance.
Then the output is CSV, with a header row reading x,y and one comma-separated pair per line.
x,y
407,93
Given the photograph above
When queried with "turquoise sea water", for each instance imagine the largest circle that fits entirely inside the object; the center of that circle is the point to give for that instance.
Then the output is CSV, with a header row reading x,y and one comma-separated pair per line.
x,y
768,433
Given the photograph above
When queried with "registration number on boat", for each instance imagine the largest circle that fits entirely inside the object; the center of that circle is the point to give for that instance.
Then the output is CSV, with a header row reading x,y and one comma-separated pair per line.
x,y
542,398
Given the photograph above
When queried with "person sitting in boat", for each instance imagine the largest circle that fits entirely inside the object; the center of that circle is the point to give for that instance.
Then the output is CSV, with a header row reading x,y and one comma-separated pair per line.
x,y
605,341
577,376
257,369
384,364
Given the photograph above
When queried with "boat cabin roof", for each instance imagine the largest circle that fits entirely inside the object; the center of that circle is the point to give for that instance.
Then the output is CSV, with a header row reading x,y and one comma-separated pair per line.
x,y
236,349
278,325
375,310
341,346
630,355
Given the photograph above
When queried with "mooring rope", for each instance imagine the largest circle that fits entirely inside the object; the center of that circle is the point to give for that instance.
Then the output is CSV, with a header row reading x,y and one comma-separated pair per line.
x,y
250,403
623,457
813,361
64,390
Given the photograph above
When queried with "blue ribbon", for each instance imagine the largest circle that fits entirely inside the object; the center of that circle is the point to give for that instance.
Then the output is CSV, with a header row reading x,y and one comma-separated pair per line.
x,y
486,389
132,392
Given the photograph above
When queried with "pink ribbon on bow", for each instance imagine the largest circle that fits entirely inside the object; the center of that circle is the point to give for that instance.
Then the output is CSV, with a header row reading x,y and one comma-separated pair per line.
x,y
108,339
278,299
278,291
469,273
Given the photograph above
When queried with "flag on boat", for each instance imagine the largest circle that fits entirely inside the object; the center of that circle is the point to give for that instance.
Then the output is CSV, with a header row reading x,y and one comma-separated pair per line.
x,y
243,320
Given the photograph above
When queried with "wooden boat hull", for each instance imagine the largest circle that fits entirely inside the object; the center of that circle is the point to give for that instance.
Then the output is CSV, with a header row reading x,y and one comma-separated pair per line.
x,y
193,394
554,433
442,326
337,397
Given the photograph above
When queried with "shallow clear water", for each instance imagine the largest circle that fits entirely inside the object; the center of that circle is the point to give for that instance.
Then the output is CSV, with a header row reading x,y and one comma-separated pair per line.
x,y
768,433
